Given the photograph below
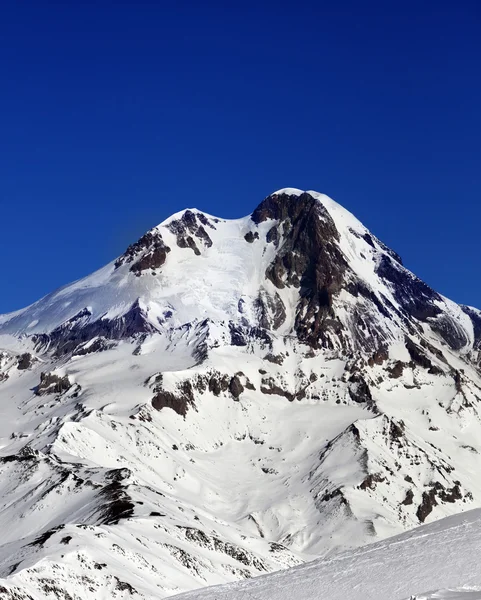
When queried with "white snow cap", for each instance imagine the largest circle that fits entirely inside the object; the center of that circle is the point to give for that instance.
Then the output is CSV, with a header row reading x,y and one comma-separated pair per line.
x,y
288,191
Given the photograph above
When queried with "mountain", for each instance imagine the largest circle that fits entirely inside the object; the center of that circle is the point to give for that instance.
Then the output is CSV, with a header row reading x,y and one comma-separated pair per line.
x,y
230,398
406,566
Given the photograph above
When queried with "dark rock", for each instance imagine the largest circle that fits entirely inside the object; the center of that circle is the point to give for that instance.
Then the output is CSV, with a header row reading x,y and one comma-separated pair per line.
x,y
409,498
99,345
24,361
189,228
379,357
273,236
250,236
271,310
123,586
235,387
358,389
451,495
475,317
371,480
415,296
268,386
396,430
79,329
179,401
437,490
149,252
309,259
277,359
450,331
243,335
205,221
218,383
396,370
52,384
427,505
116,503
417,355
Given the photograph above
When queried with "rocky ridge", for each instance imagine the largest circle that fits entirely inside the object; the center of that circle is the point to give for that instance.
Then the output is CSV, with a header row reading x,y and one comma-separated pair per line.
x,y
229,398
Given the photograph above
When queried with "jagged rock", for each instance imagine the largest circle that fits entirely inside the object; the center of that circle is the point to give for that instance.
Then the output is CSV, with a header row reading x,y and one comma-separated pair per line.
x,y
412,294
187,228
408,500
179,401
218,383
379,357
308,259
277,359
417,355
358,389
269,386
396,371
149,252
79,330
235,387
370,481
429,499
271,310
50,383
25,361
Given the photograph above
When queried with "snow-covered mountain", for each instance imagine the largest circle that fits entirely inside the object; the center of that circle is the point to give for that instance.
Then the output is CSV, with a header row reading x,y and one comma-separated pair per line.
x,y
230,398
404,567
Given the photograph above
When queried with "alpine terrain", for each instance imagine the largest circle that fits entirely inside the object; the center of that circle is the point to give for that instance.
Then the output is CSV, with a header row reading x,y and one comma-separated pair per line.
x,y
230,398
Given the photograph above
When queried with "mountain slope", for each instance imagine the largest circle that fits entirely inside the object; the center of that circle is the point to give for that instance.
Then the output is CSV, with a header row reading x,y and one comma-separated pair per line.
x,y
229,398
406,566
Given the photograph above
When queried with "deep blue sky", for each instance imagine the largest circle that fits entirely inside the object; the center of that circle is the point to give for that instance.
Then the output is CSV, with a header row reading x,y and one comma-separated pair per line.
x,y
113,115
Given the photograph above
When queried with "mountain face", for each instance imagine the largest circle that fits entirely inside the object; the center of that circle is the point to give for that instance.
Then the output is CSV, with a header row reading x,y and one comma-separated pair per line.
x,y
405,567
230,398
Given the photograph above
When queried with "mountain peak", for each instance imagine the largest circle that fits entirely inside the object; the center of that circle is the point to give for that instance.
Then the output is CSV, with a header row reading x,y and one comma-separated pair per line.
x,y
231,397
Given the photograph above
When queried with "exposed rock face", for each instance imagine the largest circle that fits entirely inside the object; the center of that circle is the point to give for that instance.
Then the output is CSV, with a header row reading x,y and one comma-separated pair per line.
x,y
412,294
359,389
308,258
179,401
79,330
149,252
235,387
189,228
50,383
25,361
271,310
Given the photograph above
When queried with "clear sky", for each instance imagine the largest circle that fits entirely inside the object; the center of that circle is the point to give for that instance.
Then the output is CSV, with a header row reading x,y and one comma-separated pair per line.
x,y
113,115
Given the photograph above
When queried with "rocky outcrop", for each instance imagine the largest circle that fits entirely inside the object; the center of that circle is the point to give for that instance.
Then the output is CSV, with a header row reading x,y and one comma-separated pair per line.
x,y
251,236
72,335
25,361
149,252
50,383
189,231
179,401
308,258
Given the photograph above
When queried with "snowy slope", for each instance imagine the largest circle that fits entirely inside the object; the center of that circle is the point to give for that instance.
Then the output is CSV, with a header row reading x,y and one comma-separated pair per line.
x,y
227,399
440,560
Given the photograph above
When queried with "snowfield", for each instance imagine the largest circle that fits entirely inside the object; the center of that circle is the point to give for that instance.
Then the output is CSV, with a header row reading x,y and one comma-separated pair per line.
x,y
229,399
440,560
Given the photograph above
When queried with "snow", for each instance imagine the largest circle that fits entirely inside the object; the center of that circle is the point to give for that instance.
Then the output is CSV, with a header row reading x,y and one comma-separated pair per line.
x,y
212,491
289,191
440,556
